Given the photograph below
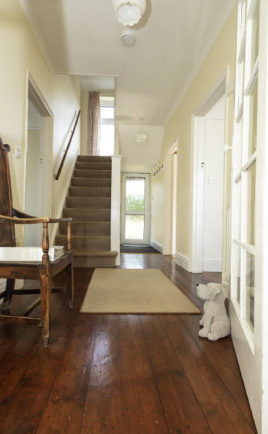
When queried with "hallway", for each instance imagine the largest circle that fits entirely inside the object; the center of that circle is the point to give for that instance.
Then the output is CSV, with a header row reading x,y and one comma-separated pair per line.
x,y
121,373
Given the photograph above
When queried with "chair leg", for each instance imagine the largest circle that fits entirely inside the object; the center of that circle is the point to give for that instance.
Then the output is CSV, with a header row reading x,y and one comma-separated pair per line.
x,y
70,285
10,285
45,290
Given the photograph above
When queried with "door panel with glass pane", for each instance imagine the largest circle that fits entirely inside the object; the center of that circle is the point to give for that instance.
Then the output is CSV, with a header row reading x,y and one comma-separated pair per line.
x,y
135,209
245,166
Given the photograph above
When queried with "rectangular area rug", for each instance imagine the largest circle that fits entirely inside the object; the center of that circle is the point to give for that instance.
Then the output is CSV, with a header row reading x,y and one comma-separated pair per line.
x,y
122,291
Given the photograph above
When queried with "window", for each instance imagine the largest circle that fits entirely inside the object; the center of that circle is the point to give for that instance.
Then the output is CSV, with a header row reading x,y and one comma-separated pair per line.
x,y
106,125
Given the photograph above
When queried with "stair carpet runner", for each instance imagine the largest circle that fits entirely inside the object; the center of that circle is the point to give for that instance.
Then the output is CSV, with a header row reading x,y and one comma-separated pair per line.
x,y
89,204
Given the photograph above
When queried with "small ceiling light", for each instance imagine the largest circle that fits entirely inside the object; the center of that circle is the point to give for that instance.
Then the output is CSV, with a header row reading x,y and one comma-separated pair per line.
x,y
141,136
129,12
128,39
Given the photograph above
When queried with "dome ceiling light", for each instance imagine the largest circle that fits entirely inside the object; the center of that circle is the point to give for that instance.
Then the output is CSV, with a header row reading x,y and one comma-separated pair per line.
x,y
129,12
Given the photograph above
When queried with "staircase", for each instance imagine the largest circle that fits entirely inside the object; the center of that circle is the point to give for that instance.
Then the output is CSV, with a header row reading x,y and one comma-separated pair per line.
x,y
89,204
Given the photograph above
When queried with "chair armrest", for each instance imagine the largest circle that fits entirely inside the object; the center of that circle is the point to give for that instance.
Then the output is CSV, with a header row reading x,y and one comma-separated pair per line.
x,y
32,220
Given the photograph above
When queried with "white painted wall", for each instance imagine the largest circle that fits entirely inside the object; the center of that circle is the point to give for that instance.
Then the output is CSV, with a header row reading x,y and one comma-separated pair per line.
x,y
213,188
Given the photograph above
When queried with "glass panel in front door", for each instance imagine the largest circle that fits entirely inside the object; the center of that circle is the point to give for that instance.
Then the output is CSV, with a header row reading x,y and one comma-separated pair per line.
x,y
135,208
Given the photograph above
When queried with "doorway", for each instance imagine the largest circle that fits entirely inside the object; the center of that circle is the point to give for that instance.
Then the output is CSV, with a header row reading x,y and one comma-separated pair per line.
x,y
38,178
135,222
213,176
208,183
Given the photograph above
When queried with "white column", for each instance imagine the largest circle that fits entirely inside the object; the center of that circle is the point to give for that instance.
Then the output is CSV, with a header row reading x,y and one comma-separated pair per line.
x,y
115,206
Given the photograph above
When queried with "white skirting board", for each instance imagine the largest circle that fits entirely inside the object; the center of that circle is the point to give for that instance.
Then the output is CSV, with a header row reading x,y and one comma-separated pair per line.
x,y
213,265
157,246
18,285
183,261
2,285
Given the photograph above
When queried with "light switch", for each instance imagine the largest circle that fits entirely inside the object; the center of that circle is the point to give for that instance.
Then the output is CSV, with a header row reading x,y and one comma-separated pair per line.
x,y
18,152
212,180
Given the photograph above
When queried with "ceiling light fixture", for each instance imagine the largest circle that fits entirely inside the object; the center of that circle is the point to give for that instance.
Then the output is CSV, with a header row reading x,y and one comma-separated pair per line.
x,y
141,136
129,12
128,39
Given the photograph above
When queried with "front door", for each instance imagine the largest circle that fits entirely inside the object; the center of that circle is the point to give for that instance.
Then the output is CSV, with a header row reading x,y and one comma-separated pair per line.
x,y
135,226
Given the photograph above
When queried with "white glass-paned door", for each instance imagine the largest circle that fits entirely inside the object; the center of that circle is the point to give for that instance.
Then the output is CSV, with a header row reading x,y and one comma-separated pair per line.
x,y
135,209
245,249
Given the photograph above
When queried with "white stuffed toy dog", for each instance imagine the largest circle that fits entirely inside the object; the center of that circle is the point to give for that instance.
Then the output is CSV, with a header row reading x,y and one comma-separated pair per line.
x,y
215,321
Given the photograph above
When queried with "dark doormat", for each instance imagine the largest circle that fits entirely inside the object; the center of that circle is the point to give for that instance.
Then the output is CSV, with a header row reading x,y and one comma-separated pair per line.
x,y
131,248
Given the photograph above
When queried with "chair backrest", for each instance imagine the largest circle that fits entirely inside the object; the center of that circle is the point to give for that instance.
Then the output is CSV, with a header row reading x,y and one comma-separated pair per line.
x,y
7,231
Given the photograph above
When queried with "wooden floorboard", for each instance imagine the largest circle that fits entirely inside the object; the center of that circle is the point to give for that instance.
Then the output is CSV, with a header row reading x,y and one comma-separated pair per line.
x,y
182,415
121,373
105,406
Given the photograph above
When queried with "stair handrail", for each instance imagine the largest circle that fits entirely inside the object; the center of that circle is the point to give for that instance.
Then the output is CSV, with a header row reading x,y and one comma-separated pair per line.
x,y
57,175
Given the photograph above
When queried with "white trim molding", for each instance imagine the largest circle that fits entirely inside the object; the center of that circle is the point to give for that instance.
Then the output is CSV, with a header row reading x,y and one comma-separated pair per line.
x,y
183,261
168,198
115,206
212,265
157,246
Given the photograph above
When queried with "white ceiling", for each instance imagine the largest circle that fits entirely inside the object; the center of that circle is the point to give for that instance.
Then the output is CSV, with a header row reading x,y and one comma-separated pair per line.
x,y
140,156
82,37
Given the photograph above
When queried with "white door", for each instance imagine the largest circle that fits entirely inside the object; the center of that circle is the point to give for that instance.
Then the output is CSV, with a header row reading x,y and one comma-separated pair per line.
x,y
34,176
248,206
135,228
213,173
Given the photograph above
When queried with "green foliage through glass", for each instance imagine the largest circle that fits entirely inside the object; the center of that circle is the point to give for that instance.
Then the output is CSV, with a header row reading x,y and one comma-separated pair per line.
x,y
134,204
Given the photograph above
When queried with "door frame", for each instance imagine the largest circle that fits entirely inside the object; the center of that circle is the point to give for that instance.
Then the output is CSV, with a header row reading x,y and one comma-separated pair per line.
x,y
197,173
147,211
168,247
35,95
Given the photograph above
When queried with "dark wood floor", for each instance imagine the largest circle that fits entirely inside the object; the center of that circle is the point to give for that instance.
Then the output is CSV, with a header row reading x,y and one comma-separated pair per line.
x,y
121,374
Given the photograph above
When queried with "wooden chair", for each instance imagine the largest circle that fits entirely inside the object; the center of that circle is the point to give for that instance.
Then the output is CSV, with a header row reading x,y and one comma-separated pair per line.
x,y
43,270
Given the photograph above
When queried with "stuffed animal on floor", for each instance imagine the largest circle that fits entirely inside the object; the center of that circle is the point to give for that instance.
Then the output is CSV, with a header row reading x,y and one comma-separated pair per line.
x,y
215,321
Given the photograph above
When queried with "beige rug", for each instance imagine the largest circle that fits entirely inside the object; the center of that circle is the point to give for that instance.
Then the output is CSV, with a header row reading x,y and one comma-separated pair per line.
x,y
114,290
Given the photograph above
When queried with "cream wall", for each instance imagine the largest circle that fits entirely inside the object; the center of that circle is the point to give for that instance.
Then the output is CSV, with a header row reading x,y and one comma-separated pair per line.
x,y
84,109
20,53
221,56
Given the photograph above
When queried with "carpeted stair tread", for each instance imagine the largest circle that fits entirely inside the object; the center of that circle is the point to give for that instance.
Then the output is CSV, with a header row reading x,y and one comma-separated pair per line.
x,y
82,227
92,165
90,191
89,204
86,242
93,158
90,182
82,173
84,202
87,214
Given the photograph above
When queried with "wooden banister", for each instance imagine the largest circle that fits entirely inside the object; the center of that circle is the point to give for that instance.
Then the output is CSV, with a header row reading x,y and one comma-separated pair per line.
x,y
57,175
